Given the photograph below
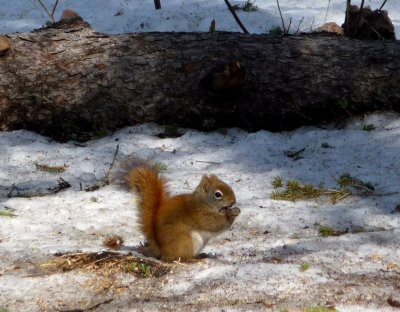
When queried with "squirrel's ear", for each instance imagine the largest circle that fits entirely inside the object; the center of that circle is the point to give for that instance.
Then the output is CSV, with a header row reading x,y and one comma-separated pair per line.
x,y
204,184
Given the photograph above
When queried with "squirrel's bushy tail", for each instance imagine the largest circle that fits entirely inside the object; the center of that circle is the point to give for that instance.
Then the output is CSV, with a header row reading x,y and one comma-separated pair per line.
x,y
150,187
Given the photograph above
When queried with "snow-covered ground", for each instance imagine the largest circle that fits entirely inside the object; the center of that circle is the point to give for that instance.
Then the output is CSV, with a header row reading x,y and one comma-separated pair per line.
x,y
122,16
257,263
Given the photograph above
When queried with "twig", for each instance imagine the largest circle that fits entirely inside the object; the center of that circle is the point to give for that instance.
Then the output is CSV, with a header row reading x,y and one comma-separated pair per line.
x,y
288,28
45,9
280,13
51,15
312,23
384,2
294,154
298,27
54,9
208,162
61,185
362,4
236,17
112,163
106,180
13,188
327,9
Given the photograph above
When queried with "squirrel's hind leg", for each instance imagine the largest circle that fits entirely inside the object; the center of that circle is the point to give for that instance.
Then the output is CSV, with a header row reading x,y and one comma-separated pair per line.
x,y
180,248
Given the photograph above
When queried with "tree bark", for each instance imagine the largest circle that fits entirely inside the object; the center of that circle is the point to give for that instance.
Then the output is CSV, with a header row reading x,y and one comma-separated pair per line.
x,y
68,80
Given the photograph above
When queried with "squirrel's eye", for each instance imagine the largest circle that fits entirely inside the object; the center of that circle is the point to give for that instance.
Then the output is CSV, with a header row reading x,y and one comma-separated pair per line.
x,y
218,194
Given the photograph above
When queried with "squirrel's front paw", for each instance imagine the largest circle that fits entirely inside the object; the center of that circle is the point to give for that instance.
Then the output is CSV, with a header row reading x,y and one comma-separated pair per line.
x,y
234,212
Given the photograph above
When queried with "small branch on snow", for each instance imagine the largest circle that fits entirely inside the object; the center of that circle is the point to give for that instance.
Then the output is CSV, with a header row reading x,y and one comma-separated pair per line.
x,y
112,163
106,180
208,162
236,17
61,185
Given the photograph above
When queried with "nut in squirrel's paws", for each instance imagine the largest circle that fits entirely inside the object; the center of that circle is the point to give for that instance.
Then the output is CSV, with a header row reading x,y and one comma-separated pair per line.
x,y
231,211
234,211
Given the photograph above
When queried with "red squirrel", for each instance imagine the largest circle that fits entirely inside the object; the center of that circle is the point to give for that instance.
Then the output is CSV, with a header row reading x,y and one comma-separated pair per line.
x,y
178,227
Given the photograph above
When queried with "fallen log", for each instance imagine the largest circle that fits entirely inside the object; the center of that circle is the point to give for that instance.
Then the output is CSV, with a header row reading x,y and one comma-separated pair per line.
x,y
68,80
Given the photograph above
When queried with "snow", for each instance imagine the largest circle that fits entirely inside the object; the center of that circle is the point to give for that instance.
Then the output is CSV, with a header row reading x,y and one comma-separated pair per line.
x,y
122,16
72,221
253,266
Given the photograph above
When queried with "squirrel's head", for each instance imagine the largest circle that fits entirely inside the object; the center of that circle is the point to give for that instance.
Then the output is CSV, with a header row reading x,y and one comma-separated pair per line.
x,y
217,193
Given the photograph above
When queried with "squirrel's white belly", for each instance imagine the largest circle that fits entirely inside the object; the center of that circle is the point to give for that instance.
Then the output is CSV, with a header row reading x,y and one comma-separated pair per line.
x,y
200,239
